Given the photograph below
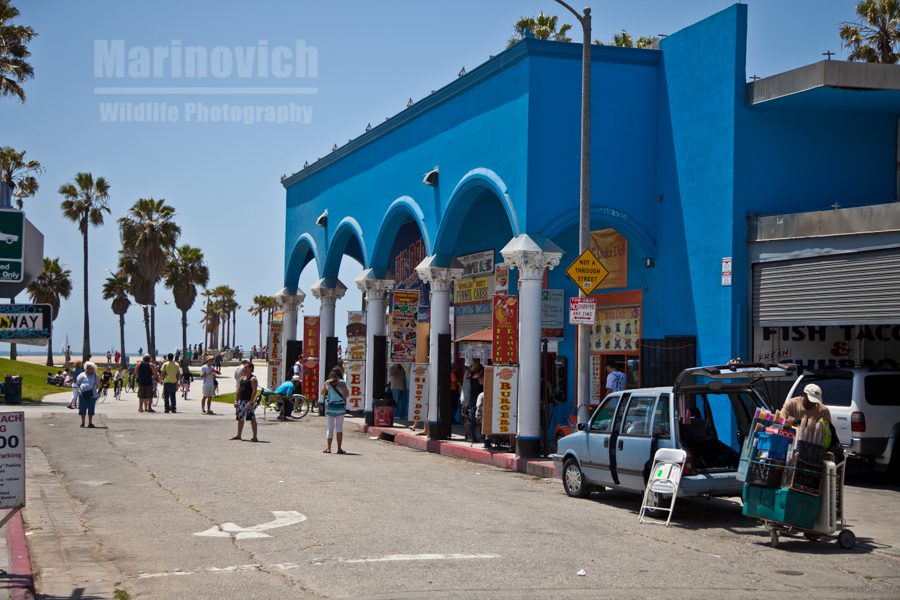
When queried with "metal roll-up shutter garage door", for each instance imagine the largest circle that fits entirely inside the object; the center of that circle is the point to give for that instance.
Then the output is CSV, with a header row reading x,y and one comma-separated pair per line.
x,y
858,288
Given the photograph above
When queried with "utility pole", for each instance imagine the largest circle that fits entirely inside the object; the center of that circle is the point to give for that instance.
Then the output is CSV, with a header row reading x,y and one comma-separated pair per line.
x,y
583,381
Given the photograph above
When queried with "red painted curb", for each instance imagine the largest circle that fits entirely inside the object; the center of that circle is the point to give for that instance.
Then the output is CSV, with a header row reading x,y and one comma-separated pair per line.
x,y
509,462
21,580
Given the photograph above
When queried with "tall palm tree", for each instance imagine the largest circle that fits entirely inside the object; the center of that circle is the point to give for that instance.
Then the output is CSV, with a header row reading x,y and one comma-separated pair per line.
x,y
116,288
183,273
225,305
207,315
543,27
875,37
18,174
257,309
86,199
150,233
14,53
53,283
130,267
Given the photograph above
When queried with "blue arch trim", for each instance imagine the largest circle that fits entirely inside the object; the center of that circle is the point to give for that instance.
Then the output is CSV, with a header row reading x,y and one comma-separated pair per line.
x,y
347,228
461,201
397,213
606,217
304,247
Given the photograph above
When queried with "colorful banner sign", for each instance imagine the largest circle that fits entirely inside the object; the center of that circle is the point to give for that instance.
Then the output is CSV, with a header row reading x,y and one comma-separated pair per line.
x,y
504,400
356,324
404,307
405,265
611,248
472,289
311,357
477,263
553,313
618,329
501,280
275,362
310,377
418,392
505,325
356,384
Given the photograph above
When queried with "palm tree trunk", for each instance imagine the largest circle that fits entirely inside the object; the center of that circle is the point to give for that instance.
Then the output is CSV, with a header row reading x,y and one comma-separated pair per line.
x,y
49,348
153,332
233,328
184,361
122,339
147,326
260,330
86,344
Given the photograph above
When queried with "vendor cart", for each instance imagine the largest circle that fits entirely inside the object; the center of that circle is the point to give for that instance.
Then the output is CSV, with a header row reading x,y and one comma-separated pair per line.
x,y
798,510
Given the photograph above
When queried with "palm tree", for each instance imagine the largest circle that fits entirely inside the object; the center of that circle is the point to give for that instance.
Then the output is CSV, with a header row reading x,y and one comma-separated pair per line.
x,y
14,53
623,39
53,283
183,273
260,305
875,37
18,175
543,27
116,288
225,305
150,233
85,202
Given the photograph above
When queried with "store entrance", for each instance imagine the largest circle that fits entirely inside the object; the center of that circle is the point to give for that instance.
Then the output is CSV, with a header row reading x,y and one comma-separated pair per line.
x,y
628,363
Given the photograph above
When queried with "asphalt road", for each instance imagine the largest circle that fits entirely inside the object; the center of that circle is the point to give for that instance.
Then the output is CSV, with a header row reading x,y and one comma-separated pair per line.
x,y
120,507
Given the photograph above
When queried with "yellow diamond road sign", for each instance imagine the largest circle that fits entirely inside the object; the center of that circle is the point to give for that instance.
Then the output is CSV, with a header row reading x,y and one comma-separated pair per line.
x,y
587,272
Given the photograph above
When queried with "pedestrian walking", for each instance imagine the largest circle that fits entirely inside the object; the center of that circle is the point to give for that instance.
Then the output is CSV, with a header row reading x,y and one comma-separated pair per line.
x,y
171,374
118,357
208,377
147,375
87,383
78,370
615,378
335,393
398,389
189,354
244,404
108,358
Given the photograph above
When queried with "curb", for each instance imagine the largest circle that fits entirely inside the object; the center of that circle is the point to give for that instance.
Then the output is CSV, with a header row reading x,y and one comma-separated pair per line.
x,y
21,579
502,460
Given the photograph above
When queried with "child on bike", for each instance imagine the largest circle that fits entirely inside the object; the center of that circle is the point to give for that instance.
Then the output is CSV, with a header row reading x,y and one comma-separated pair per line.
x,y
118,381
186,379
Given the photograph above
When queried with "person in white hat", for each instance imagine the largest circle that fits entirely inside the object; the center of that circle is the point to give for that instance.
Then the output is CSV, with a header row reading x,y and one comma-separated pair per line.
x,y
808,404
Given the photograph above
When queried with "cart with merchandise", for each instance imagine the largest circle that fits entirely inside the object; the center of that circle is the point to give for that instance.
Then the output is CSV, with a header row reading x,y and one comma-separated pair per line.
x,y
790,484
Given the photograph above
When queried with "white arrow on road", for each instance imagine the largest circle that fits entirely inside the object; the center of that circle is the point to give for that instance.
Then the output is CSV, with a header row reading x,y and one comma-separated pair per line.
x,y
283,518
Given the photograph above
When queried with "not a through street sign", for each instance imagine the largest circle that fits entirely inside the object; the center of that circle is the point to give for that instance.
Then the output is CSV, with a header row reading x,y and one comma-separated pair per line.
x,y
587,272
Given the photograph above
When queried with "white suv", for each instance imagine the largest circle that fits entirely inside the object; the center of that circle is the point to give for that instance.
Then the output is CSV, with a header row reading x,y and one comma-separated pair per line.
x,y
865,410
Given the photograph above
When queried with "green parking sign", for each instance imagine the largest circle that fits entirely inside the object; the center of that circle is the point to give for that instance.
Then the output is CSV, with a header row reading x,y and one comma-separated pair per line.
x,y
12,227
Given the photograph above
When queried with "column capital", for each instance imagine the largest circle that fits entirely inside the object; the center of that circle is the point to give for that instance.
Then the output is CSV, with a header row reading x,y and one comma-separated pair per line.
x,y
373,286
531,257
328,290
290,298
439,277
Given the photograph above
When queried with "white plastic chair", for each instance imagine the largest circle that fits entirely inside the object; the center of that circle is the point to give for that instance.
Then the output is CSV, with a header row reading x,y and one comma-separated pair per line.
x,y
665,477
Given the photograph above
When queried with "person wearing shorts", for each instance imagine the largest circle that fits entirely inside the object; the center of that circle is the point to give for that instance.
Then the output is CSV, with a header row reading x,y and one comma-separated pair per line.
x,y
243,403
87,383
146,375
208,376
335,393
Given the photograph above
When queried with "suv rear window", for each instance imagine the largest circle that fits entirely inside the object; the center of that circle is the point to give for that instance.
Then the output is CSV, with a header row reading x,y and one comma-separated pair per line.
x,y
836,391
883,390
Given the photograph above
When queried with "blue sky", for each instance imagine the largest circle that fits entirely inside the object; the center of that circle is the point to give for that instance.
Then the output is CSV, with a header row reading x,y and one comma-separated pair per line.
x,y
223,178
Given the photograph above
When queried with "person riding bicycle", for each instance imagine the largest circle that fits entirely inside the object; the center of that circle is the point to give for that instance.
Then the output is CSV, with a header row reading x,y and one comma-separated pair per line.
x,y
118,381
287,391
105,379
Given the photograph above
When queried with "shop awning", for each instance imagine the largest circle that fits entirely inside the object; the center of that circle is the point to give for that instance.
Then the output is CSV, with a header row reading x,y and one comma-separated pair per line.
x,y
482,335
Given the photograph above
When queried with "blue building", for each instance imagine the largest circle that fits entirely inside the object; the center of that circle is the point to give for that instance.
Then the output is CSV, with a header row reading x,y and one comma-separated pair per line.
x,y
719,207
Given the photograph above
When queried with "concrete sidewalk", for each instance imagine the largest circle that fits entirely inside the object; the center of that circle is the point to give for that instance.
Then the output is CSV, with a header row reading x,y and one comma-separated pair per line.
x,y
16,580
455,447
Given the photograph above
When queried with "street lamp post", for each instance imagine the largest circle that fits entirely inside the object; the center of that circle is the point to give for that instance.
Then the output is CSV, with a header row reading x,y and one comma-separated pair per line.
x,y
584,205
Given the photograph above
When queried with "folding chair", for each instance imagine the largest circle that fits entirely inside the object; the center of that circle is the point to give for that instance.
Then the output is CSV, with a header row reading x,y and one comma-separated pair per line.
x,y
665,477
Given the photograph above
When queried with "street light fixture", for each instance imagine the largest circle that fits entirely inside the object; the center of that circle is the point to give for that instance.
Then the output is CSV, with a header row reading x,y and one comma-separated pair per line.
x,y
584,205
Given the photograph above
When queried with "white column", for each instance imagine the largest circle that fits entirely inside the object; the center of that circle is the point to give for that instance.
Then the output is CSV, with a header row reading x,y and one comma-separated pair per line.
x,y
376,291
530,258
328,291
440,280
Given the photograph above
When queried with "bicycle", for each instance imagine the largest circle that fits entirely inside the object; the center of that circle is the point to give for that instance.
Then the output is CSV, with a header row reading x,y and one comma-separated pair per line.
x,y
104,392
117,389
131,386
270,401
155,394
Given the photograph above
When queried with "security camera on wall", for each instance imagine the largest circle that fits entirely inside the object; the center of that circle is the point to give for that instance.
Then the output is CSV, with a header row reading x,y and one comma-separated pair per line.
x,y
322,221
431,177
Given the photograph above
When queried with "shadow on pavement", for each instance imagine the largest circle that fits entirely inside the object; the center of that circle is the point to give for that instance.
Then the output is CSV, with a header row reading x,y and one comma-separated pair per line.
x,y
77,594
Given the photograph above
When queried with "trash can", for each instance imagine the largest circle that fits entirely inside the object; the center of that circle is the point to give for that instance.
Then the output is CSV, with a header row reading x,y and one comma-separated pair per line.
x,y
12,389
384,414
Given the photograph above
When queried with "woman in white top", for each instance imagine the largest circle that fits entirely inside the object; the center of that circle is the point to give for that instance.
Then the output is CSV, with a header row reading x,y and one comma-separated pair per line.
x,y
87,384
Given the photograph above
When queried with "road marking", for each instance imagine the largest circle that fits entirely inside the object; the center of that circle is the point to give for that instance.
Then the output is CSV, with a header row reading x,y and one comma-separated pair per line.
x,y
283,518
408,557
231,569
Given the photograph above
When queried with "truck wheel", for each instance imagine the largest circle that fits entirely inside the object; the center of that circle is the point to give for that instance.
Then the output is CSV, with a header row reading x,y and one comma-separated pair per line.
x,y
893,470
573,480
846,539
